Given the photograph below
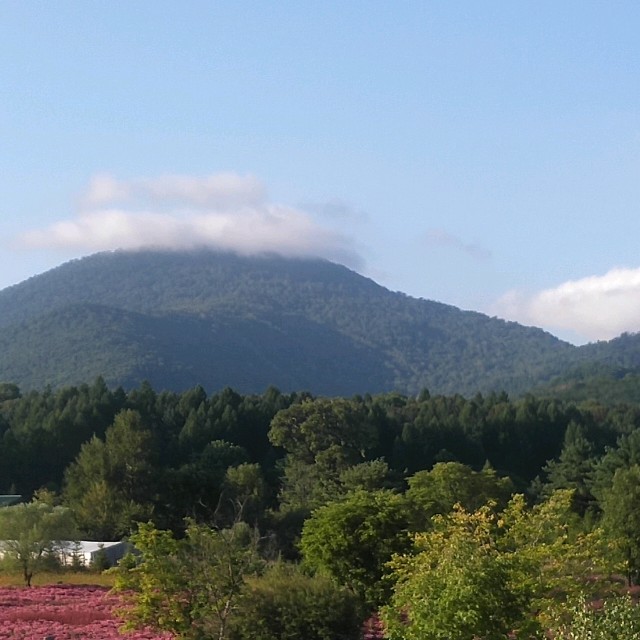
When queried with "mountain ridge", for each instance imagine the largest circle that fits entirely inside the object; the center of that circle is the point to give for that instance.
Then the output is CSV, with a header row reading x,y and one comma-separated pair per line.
x,y
219,319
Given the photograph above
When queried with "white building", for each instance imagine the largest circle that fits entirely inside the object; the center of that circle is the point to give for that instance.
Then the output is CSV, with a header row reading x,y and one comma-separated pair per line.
x,y
85,552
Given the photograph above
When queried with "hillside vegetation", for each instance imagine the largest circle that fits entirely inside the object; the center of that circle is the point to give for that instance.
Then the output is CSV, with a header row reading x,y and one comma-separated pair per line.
x,y
304,508
216,319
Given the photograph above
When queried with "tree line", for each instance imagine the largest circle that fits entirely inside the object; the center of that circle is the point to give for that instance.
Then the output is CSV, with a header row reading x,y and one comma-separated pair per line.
x,y
119,456
500,509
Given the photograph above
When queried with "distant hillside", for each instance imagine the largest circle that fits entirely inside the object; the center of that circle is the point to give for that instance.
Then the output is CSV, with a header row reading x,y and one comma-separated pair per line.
x,y
605,372
218,319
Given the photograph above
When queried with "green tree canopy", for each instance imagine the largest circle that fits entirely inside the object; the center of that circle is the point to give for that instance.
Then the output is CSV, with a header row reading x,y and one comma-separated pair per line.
x,y
574,468
286,604
486,573
188,586
109,485
621,518
31,531
352,540
458,585
449,483
322,438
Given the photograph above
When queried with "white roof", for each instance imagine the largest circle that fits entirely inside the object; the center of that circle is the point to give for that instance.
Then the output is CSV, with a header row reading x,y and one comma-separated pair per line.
x,y
89,546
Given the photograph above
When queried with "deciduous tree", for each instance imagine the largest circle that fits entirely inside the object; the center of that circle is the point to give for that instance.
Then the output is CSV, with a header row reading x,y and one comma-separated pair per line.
x,y
109,484
31,531
188,586
286,604
621,518
352,540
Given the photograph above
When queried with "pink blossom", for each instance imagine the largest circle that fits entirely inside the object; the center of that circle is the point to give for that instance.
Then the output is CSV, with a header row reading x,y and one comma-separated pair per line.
x,y
373,629
64,612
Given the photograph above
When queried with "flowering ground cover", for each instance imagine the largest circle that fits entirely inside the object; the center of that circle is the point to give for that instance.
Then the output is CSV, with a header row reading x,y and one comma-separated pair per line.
x,y
373,629
64,612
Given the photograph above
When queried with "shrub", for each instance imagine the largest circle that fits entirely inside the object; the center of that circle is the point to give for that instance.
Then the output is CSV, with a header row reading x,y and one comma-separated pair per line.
x,y
617,619
285,604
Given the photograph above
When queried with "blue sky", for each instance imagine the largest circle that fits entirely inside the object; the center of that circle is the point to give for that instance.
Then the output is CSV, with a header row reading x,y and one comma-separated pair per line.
x,y
483,154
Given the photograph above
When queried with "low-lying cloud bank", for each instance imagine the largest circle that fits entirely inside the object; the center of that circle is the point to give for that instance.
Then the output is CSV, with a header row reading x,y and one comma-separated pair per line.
x,y
596,308
223,211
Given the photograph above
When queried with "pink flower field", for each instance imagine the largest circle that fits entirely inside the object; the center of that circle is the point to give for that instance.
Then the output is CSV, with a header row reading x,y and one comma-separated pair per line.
x,y
64,612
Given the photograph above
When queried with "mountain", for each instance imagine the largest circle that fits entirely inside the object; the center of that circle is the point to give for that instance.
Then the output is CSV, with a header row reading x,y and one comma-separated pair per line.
x,y
605,372
178,319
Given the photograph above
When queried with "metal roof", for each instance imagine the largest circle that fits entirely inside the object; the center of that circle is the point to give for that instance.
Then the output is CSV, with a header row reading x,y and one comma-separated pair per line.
x,y
6,500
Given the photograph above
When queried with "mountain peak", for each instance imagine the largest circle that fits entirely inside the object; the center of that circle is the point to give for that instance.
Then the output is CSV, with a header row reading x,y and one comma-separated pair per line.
x,y
221,319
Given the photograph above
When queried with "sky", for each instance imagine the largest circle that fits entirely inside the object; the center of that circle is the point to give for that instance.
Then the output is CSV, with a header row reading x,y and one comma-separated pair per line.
x,y
482,154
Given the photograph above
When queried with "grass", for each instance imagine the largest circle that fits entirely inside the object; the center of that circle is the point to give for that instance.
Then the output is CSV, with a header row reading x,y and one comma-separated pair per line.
x,y
14,579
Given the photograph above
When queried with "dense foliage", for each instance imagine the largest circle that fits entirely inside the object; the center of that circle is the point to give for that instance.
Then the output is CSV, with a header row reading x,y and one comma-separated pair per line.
x,y
188,586
500,510
287,604
118,456
181,319
619,617
490,573
30,532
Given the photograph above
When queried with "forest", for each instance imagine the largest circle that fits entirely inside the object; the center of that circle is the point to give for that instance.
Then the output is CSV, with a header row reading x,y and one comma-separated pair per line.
x,y
179,319
431,516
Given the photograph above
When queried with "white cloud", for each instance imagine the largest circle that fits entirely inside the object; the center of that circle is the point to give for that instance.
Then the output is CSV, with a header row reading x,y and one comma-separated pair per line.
x,y
216,191
597,307
222,211
105,189
442,238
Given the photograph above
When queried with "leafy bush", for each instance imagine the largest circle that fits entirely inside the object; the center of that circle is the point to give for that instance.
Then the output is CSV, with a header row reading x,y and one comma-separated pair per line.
x,y
286,604
186,586
617,619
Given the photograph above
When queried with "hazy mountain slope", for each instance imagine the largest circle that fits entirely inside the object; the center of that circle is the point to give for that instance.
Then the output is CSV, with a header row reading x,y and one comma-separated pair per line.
x,y
605,385
606,372
623,351
178,319
79,342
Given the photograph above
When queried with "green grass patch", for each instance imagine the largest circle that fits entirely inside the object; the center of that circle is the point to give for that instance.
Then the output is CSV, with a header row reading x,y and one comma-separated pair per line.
x,y
14,579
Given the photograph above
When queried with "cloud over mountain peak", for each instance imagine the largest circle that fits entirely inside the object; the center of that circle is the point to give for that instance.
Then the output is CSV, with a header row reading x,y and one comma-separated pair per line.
x,y
224,211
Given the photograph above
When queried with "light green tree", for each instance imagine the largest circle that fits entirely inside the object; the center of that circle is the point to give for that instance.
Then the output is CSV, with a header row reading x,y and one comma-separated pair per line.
x,y
458,585
558,559
618,618
29,532
448,483
486,573
189,586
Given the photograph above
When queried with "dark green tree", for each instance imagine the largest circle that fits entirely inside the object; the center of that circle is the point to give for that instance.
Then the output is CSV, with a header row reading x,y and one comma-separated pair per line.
x,y
322,438
111,484
621,518
574,468
353,539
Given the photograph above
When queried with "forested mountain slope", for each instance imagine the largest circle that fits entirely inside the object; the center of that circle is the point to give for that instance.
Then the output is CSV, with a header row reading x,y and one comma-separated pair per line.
x,y
603,372
178,319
